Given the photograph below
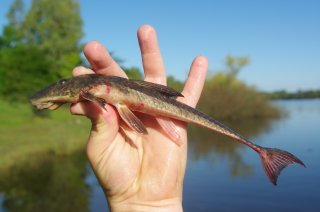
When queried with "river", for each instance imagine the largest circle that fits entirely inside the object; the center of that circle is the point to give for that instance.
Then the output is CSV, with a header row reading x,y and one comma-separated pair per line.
x,y
221,175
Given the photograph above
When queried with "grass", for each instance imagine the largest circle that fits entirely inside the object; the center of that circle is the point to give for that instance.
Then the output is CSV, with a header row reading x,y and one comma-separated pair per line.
x,y
23,134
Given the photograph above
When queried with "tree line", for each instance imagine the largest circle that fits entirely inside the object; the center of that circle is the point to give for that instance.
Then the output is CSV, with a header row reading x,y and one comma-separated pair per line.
x,y
300,94
43,44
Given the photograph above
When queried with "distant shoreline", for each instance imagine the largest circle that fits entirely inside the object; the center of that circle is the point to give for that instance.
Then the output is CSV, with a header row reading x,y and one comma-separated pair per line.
x,y
285,95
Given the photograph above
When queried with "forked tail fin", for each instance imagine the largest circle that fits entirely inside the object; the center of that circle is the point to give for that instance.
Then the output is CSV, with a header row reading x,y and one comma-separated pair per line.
x,y
274,160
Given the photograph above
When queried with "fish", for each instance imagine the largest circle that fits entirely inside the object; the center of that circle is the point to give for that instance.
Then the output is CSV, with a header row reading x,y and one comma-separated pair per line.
x,y
129,96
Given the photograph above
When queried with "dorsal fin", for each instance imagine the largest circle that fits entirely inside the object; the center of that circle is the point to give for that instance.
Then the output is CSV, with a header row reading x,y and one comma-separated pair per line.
x,y
170,92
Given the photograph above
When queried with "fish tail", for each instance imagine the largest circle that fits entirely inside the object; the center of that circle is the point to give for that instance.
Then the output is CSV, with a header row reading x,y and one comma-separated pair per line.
x,y
274,160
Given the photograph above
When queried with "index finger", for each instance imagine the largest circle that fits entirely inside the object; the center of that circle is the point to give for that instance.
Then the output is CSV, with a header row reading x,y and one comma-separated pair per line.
x,y
101,61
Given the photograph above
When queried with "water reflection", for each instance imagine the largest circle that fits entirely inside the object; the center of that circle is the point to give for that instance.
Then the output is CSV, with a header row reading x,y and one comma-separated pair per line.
x,y
60,183
214,147
46,183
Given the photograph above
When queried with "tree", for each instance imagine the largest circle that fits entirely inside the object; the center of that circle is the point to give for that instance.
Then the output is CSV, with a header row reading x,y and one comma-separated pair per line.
x,y
9,41
133,73
226,97
55,27
24,70
39,46
15,15
235,64
174,83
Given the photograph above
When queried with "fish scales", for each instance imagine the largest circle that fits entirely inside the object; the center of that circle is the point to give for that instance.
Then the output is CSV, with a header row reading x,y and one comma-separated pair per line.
x,y
152,99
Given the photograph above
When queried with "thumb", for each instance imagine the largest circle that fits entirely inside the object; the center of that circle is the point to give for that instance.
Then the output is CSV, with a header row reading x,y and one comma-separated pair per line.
x,y
105,127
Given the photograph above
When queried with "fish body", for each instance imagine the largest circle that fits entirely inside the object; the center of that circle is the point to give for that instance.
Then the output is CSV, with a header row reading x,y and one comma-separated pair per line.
x,y
155,100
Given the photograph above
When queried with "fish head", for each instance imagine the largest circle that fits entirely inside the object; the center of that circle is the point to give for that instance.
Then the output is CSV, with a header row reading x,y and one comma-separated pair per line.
x,y
56,94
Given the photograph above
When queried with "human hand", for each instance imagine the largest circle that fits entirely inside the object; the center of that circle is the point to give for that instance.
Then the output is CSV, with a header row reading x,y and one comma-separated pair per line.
x,y
138,172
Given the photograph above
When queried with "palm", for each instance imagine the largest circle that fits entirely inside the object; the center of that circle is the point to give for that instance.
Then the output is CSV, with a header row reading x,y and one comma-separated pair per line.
x,y
130,163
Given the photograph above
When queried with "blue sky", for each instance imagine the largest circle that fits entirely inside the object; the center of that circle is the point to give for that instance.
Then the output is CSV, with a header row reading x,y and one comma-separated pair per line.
x,y
282,38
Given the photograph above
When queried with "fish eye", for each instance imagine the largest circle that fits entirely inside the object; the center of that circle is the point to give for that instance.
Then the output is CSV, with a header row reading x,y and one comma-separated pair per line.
x,y
61,82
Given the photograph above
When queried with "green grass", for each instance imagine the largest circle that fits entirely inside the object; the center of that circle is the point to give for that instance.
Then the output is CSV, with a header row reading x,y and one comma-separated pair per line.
x,y
23,134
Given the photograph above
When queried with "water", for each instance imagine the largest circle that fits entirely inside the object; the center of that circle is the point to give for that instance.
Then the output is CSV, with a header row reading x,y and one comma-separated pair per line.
x,y
221,175
213,186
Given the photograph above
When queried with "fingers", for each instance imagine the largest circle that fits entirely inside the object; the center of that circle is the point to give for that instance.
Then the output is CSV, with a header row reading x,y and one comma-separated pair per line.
x,y
101,61
93,112
79,108
151,57
80,70
194,84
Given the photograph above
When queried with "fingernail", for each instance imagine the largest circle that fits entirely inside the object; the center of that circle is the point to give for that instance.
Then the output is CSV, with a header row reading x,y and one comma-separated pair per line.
x,y
201,61
145,31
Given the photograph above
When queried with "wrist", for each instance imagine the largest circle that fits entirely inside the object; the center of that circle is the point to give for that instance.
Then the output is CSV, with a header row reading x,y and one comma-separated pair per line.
x,y
174,205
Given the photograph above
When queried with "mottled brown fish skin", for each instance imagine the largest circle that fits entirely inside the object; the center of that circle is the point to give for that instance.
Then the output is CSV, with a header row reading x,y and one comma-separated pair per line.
x,y
151,102
155,100
136,97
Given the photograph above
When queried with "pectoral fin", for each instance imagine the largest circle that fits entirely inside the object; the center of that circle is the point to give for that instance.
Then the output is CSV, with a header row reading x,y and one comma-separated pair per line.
x,y
131,120
170,129
90,97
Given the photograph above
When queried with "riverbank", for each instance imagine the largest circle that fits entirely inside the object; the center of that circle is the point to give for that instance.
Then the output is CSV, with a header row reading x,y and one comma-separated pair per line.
x,y
22,134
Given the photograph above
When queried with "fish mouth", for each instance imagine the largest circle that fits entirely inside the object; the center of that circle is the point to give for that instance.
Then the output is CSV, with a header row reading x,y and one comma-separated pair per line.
x,y
45,105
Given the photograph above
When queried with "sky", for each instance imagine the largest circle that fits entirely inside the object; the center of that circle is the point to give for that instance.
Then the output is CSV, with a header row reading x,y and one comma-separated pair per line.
x,y
281,38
